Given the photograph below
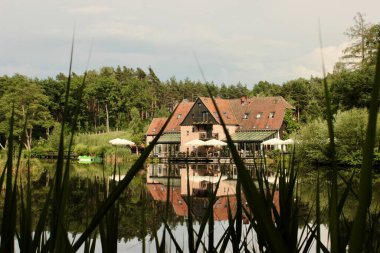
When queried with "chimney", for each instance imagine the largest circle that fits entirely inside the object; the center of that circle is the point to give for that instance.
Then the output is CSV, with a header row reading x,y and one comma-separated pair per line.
x,y
243,99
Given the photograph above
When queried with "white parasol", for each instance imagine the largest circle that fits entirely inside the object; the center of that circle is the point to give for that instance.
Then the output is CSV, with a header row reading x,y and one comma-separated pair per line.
x,y
215,142
289,141
195,142
121,142
273,142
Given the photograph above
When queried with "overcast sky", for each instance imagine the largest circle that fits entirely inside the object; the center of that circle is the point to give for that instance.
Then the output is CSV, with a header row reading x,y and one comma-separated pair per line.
x,y
244,41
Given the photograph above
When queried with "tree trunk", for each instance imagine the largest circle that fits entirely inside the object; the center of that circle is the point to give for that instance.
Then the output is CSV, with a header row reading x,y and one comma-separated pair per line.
x,y
298,114
107,120
28,135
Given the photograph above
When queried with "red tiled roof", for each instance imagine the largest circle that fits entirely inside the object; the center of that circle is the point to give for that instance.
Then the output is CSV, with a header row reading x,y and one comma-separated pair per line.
x,y
247,112
243,112
159,193
224,108
180,113
155,126
220,208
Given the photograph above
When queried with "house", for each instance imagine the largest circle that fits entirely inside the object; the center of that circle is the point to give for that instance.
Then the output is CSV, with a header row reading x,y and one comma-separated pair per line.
x,y
249,121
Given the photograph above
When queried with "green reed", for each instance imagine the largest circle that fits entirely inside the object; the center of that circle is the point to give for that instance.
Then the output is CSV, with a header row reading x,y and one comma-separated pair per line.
x,y
276,227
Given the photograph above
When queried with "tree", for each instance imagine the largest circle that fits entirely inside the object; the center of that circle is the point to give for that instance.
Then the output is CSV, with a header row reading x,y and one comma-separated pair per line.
x,y
29,104
365,38
352,88
266,89
297,92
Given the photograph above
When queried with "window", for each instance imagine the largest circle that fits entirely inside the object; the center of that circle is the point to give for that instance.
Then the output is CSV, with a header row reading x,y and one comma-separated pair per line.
x,y
187,133
258,116
179,116
205,116
245,115
271,115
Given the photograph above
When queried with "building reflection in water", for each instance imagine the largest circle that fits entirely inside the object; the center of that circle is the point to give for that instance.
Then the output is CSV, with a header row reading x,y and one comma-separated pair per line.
x,y
202,178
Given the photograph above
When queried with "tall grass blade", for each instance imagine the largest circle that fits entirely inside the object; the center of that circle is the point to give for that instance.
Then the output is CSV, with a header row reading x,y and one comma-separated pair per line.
x,y
3,176
177,247
238,215
333,201
25,234
318,214
190,230
344,196
7,226
57,213
123,184
225,242
256,202
231,228
365,186
38,237
209,214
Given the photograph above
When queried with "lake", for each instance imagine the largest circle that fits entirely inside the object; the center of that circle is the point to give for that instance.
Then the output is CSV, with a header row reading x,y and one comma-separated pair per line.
x,y
144,204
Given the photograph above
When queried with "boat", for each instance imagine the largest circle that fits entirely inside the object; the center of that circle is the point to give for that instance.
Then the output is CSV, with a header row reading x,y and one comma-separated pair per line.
x,y
89,159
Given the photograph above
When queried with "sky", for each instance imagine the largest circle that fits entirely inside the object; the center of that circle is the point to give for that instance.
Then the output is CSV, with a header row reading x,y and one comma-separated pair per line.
x,y
234,41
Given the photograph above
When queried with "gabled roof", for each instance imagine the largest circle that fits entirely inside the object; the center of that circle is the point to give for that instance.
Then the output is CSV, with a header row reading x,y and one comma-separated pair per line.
x,y
180,113
260,113
173,126
155,126
224,107
159,193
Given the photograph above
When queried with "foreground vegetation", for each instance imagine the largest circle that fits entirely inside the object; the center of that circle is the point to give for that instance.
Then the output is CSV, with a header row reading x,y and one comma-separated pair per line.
x,y
276,228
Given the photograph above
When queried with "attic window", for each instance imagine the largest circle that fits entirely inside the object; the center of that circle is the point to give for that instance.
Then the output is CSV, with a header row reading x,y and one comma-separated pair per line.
x,y
271,115
179,116
199,104
258,116
245,115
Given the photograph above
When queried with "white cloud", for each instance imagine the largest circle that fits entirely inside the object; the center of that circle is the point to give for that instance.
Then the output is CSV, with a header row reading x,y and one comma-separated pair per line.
x,y
245,41
91,10
311,63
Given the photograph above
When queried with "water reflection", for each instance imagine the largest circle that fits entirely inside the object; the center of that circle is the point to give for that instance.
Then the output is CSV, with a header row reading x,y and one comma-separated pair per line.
x,y
143,204
203,179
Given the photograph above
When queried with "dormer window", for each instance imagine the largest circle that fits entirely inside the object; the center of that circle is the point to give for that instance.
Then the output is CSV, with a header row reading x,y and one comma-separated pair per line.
x,y
258,116
271,115
245,116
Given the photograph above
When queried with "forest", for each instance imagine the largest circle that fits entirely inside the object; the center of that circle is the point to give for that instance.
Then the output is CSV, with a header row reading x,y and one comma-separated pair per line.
x,y
122,98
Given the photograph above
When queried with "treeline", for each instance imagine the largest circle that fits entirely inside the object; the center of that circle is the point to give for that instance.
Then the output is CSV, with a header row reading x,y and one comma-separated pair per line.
x,y
126,98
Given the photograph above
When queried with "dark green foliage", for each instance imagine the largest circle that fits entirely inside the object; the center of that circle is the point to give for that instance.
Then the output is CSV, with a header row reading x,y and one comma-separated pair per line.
x,y
266,89
365,189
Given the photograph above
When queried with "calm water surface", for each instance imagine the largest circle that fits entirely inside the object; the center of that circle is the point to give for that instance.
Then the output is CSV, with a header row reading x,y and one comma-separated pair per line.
x,y
143,204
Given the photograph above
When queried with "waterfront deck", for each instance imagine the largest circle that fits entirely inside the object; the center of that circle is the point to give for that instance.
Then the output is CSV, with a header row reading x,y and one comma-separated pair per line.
x,y
208,158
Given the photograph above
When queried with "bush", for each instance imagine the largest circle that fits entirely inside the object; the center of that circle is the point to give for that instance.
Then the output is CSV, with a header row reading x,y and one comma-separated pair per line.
x,y
350,129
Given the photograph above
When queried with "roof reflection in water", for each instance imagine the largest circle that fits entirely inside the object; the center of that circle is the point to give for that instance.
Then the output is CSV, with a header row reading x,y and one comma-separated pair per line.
x,y
201,178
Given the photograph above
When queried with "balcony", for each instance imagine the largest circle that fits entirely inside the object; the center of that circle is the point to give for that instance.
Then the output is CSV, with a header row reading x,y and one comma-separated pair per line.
x,y
207,136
